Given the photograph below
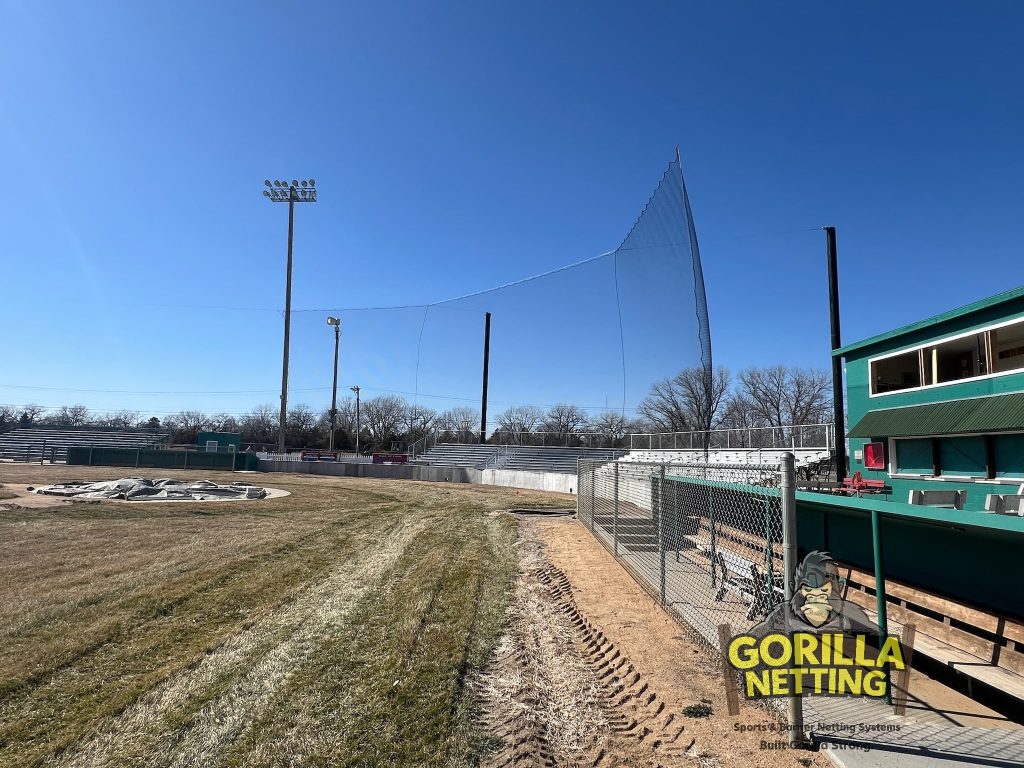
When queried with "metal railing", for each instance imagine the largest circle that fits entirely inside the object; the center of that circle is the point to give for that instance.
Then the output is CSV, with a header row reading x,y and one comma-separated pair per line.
x,y
785,437
557,439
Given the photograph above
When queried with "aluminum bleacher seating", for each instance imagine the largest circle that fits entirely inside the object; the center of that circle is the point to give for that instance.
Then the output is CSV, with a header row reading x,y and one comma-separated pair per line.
x,y
458,455
804,456
514,457
542,459
52,443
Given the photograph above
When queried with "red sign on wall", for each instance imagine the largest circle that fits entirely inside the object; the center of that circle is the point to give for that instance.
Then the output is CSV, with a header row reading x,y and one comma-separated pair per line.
x,y
874,455
390,458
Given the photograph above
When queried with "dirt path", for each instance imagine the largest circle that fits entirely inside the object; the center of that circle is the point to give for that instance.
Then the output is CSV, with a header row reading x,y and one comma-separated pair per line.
x,y
593,673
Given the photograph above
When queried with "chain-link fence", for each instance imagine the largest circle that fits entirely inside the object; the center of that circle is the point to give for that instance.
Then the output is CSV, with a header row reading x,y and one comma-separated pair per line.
x,y
705,540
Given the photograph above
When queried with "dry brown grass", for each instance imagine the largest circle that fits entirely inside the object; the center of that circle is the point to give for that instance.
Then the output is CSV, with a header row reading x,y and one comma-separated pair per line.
x,y
336,626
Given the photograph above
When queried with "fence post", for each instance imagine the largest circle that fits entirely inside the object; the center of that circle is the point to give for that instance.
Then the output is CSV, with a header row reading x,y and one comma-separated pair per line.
x,y
615,514
880,598
42,455
90,454
661,529
787,492
186,459
593,485
138,454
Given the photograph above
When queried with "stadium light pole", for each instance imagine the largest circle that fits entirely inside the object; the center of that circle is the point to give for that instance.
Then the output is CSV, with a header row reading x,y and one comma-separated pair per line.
x,y
356,390
283,192
336,323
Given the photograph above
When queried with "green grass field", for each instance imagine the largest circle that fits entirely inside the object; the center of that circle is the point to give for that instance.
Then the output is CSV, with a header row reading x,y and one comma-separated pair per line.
x,y
336,626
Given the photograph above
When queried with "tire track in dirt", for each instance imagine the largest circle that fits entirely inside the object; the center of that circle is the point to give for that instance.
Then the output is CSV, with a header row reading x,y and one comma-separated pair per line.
x,y
530,698
245,673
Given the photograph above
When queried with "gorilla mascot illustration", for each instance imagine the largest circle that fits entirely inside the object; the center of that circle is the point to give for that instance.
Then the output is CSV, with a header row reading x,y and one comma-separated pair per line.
x,y
817,605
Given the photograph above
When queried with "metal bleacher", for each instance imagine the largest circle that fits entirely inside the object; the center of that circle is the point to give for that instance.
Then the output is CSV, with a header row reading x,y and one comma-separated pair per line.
x,y
560,459
541,459
51,444
513,457
805,457
458,455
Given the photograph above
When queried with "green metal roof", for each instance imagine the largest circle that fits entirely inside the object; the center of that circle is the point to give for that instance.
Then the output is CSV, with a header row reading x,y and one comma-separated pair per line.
x,y
975,414
952,314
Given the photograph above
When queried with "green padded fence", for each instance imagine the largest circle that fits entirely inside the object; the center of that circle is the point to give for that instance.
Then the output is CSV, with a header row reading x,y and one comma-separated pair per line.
x,y
152,458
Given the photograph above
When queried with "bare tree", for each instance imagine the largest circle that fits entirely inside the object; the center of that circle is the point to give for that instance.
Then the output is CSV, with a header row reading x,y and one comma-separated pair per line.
x,y
260,425
8,418
30,414
185,426
461,424
612,426
780,396
382,419
224,422
68,416
119,419
301,427
564,420
417,421
344,425
690,401
519,419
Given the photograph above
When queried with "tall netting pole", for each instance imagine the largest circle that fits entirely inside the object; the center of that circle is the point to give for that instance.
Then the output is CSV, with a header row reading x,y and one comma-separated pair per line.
x,y
787,489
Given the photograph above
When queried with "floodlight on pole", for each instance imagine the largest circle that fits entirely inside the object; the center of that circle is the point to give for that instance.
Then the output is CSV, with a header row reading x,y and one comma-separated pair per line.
x,y
336,324
282,192
356,390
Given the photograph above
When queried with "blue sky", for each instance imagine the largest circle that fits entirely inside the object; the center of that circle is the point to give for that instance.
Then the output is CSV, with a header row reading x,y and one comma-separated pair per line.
x,y
458,146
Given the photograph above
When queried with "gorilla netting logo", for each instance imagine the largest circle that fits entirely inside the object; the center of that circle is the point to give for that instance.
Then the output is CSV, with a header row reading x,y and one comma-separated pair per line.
x,y
817,643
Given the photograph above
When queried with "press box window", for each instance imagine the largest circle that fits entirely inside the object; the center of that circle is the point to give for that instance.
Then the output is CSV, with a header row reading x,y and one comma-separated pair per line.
x,y
1007,347
955,360
891,374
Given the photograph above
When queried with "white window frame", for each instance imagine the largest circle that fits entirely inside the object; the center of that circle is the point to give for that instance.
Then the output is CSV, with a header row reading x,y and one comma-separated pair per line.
x,y
936,342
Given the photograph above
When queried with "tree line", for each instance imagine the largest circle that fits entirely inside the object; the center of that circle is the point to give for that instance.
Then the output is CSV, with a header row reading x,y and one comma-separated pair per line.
x,y
690,401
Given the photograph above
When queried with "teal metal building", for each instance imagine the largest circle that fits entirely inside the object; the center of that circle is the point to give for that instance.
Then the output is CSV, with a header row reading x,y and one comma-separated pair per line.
x,y
218,442
939,404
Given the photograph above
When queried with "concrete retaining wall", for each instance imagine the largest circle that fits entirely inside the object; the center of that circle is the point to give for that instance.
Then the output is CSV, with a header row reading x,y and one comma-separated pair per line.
x,y
538,481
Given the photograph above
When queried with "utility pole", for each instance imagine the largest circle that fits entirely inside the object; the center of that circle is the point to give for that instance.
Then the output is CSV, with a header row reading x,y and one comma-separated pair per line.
x,y
336,323
283,192
356,390
487,360
837,361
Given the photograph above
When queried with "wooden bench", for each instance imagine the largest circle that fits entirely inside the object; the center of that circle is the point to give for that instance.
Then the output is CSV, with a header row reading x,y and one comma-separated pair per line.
x,y
737,574
981,645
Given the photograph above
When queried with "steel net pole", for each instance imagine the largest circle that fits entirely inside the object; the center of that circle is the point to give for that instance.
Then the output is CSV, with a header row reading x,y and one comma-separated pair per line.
x,y
787,491
661,531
